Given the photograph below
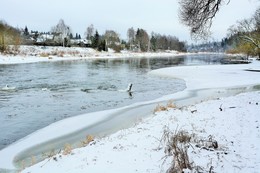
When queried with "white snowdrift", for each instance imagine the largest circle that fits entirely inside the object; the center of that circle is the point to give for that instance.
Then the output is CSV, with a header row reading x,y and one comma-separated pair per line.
x,y
141,148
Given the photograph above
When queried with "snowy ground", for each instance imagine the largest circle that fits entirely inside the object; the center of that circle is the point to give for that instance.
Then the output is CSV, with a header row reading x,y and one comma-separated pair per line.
x,y
142,148
31,54
232,123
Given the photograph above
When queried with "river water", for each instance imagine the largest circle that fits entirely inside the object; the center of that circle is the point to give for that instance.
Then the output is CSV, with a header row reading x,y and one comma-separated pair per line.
x,y
47,92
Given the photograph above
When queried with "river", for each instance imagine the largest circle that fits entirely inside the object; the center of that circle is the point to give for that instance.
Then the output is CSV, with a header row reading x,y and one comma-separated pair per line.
x,y
47,92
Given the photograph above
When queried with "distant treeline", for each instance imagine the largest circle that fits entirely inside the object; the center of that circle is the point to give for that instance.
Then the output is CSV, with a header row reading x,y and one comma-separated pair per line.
x,y
61,35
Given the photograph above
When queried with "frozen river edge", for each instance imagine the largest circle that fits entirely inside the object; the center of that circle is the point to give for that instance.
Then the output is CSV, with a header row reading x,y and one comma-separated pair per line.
x,y
218,77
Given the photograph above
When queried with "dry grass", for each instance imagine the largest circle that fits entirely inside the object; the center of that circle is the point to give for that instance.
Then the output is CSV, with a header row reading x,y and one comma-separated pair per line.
x,y
177,145
89,138
169,105
67,149
33,160
44,54
179,142
159,108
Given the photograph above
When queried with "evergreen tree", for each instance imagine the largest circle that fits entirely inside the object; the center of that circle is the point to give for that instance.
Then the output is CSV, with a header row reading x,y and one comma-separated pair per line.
x,y
102,46
26,32
71,36
79,36
96,40
153,43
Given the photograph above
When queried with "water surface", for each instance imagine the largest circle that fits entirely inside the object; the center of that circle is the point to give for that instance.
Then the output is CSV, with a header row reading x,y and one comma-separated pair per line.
x,y
47,92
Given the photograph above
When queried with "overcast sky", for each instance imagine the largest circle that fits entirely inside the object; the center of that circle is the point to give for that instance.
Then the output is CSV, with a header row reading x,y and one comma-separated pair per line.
x,y
160,16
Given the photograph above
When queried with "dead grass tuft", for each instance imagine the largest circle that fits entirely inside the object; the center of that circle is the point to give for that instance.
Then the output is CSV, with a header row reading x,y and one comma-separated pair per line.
x,y
177,145
67,149
89,138
169,105
159,108
44,54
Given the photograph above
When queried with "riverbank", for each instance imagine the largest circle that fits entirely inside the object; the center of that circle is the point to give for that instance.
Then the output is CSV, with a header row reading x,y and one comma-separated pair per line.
x,y
217,77
232,123
31,54
142,147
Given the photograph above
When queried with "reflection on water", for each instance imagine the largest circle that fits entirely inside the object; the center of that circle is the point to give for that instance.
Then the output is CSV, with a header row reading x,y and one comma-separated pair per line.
x,y
48,92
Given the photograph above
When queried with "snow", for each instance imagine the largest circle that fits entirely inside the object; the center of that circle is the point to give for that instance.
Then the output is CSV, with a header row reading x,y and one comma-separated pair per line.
x,y
233,122
136,149
31,54
141,148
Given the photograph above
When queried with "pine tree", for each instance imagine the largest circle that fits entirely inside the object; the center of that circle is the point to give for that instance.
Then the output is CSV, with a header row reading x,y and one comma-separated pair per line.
x,y
96,40
26,32
71,36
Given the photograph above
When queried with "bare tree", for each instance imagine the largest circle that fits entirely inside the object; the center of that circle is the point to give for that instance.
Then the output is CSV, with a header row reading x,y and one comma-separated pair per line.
x,y
198,15
90,32
63,31
248,32
257,19
9,36
111,37
131,37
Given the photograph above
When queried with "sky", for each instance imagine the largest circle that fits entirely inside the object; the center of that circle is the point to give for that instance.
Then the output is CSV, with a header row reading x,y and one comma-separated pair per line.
x,y
160,16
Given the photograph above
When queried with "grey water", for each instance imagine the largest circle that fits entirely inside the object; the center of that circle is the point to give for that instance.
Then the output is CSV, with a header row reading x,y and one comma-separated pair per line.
x,y
47,92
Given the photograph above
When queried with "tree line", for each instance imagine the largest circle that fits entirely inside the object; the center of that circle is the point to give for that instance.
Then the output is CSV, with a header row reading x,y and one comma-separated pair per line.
x,y
9,36
61,35
244,36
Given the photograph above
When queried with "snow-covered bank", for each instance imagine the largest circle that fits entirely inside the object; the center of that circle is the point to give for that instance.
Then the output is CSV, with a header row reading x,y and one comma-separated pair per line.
x,y
30,54
141,148
229,78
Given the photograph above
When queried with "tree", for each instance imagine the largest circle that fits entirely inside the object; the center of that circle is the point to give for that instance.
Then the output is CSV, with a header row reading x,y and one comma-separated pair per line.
x,y
248,33
26,32
198,15
112,40
257,19
89,34
153,42
63,31
9,36
102,46
96,40
131,37
142,39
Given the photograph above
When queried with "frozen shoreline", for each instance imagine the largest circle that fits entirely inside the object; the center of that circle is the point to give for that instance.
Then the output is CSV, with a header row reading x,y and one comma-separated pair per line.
x,y
214,77
32,54
141,147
